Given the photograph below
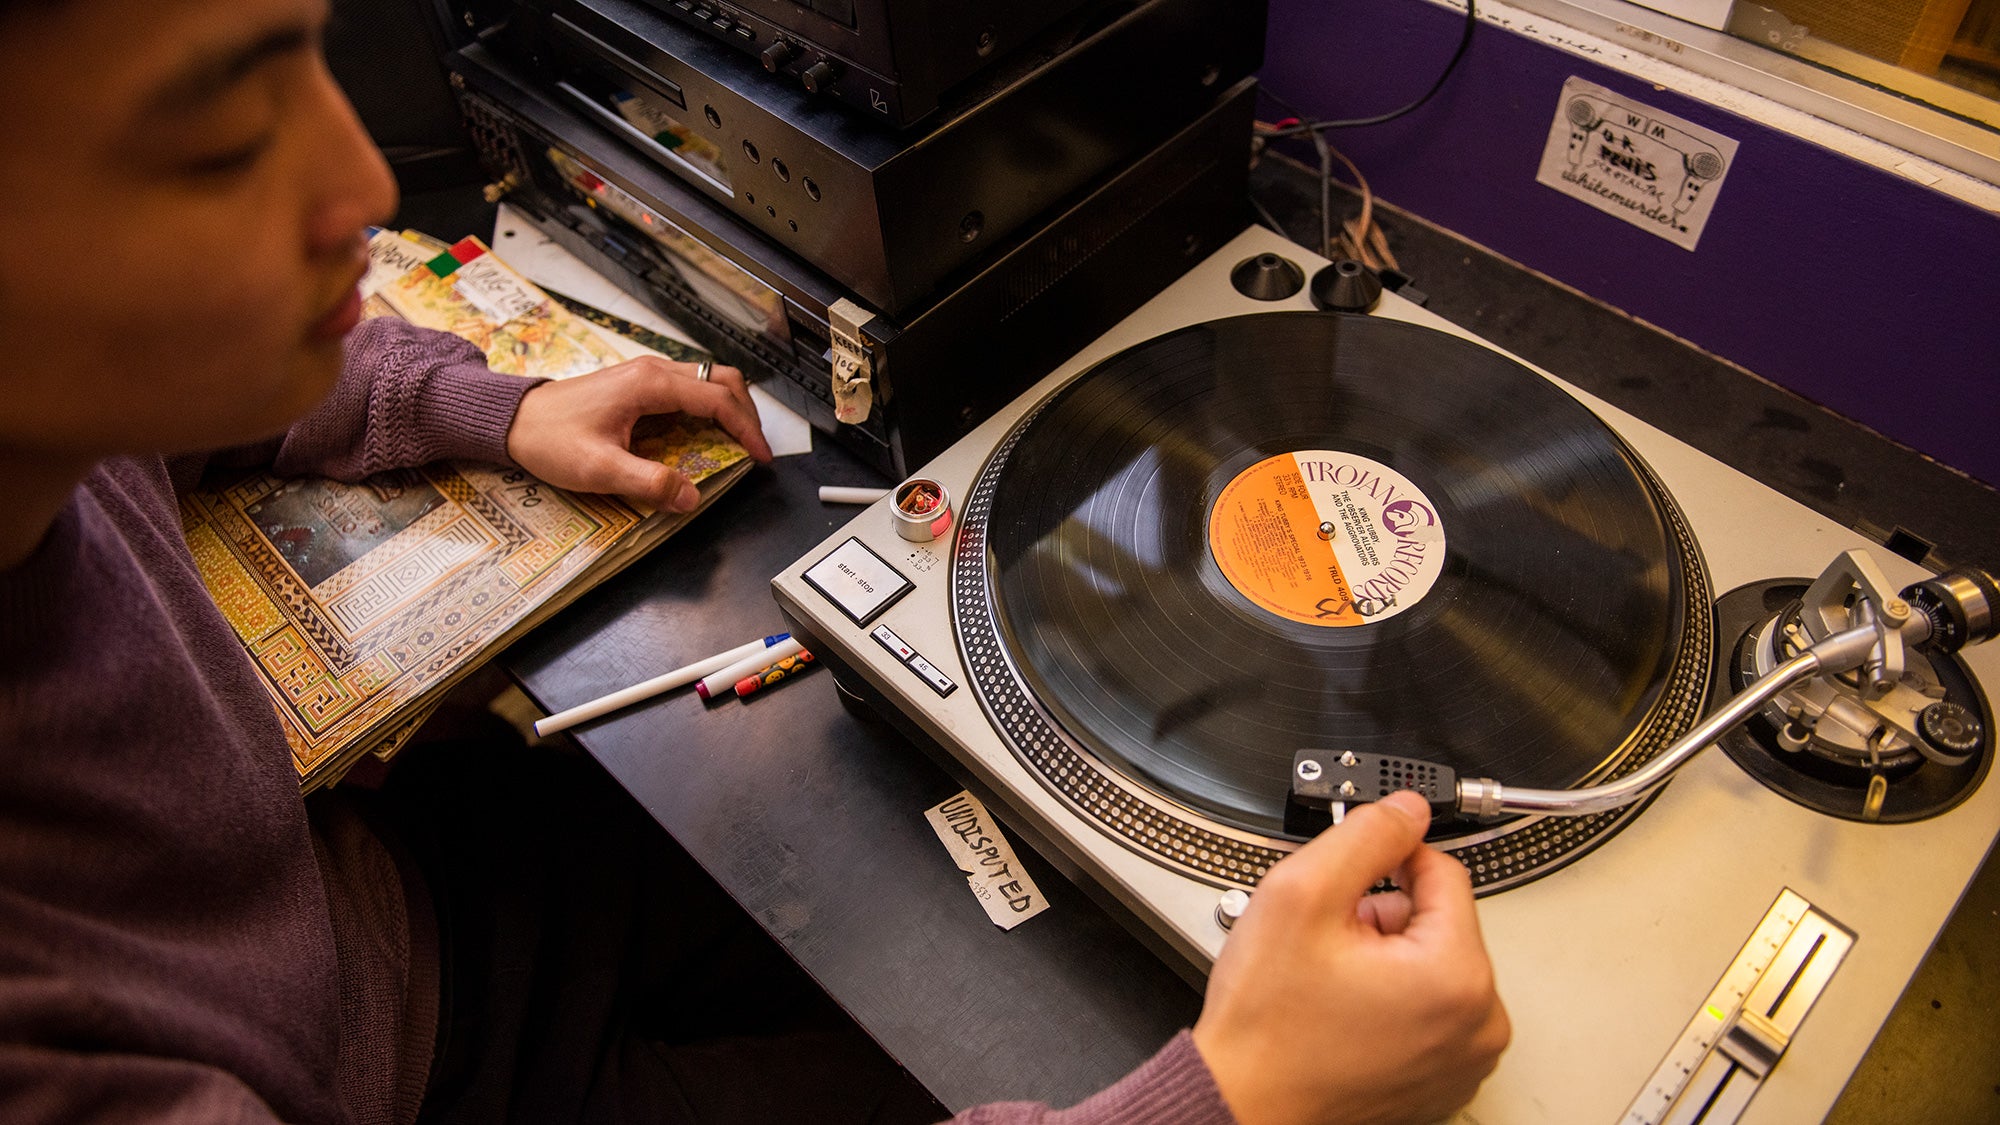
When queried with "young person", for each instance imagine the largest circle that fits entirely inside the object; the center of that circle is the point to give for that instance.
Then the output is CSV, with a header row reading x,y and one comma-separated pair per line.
x,y
181,200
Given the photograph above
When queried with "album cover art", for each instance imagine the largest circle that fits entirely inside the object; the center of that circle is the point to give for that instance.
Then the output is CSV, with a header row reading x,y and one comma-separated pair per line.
x,y
360,604
354,599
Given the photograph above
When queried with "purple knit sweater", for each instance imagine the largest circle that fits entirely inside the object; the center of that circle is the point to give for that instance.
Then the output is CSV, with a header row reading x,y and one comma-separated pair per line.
x,y
179,940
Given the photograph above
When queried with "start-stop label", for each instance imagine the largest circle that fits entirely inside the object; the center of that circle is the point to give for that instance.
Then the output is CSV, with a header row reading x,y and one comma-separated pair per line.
x,y
1327,538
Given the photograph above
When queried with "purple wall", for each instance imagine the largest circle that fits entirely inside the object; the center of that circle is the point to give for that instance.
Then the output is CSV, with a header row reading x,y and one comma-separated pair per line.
x,y
1852,286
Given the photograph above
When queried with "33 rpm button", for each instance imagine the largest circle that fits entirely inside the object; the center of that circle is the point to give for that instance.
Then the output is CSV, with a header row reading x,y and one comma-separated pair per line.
x,y
887,638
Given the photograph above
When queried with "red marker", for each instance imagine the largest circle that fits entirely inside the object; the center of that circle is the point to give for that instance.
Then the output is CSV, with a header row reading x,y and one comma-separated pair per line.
x,y
789,666
715,683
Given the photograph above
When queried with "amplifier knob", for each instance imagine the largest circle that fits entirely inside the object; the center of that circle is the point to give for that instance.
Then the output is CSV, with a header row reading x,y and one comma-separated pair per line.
x,y
778,54
819,76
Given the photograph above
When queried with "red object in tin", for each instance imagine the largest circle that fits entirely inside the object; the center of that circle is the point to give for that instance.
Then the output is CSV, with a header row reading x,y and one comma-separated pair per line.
x,y
922,510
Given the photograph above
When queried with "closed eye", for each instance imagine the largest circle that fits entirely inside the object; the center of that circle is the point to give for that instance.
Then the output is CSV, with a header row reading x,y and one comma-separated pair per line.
x,y
228,162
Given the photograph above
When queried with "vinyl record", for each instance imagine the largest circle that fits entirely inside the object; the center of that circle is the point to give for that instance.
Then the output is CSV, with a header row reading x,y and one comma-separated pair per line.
x,y
1294,530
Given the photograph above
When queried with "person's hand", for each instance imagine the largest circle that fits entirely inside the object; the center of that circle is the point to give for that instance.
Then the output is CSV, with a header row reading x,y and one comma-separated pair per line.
x,y
1331,1005
577,433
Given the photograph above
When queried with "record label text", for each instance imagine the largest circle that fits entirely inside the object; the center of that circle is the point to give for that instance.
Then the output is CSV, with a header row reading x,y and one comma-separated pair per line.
x,y
1327,538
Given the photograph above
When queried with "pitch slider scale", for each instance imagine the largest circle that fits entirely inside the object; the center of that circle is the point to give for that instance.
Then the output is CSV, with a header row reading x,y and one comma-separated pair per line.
x,y
1742,1030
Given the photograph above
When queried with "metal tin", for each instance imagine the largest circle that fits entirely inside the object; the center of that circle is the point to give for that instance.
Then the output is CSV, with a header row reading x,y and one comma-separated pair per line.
x,y
922,509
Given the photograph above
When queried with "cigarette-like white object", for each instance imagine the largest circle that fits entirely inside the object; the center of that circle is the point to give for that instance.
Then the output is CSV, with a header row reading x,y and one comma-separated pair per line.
x,y
679,677
724,682
839,494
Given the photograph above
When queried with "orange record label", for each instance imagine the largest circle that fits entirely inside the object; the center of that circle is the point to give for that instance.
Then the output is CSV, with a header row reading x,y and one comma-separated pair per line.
x,y
1326,538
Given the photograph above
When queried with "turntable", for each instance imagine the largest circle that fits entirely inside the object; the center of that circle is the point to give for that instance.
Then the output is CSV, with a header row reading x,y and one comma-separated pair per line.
x,y
1240,564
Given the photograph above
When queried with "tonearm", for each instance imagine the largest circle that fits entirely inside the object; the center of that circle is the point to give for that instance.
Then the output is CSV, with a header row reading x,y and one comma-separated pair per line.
x,y
1839,662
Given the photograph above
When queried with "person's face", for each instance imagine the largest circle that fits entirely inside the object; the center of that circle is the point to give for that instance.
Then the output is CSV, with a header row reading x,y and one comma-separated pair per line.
x,y
182,192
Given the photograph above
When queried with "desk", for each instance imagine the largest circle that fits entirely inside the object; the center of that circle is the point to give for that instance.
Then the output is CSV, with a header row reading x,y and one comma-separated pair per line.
x,y
813,819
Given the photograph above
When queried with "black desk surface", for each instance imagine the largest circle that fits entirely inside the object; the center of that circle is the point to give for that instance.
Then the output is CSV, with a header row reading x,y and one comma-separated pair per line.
x,y
814,821
813,818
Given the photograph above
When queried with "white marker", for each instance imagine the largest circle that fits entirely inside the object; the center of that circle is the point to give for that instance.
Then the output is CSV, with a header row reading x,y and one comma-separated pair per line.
x,y
679,677
839,494
724,682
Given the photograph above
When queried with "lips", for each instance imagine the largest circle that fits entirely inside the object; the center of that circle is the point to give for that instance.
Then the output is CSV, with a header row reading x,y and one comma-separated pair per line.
x,y
340,319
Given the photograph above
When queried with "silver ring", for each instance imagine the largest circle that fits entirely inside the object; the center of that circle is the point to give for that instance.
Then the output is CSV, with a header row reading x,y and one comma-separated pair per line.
x,y
703,370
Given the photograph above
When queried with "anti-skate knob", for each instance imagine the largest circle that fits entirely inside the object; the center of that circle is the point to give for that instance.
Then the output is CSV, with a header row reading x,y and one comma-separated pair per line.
x,y
1951,729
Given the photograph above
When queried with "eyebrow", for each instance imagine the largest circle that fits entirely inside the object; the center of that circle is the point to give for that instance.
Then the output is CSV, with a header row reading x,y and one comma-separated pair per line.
x,y
214,74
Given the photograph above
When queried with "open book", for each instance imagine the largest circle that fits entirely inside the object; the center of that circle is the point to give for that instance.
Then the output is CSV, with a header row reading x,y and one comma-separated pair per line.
x,y
362,604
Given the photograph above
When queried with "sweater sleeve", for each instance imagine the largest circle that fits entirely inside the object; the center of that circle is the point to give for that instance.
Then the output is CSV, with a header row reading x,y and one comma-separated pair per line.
x,y
407,396
49,1084
1173,1087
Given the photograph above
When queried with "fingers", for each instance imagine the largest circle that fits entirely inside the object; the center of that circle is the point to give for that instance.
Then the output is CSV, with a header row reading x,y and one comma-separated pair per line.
x,y
1365,848
665,386
648,483
1494,1034
1388,911
576,433
1440,890
1316,957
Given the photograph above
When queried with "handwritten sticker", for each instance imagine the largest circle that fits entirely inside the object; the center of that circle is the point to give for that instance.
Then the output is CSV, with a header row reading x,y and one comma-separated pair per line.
x,y
853,375
496,291
991,869
1659,172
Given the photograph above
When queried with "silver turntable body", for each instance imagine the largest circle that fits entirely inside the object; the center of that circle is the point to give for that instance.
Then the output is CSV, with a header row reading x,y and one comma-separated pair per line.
x,y
1622,971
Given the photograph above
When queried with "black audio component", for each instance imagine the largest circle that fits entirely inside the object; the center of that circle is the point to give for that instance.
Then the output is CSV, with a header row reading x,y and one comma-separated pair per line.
x,y
889,214
935,369
891,59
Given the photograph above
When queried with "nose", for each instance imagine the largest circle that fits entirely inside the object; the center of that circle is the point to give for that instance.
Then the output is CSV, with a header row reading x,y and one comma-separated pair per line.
x,y
353,186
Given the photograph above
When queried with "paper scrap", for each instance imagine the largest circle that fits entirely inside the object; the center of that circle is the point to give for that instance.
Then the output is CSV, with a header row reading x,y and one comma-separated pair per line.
x,y
991,869
1913,170
853,376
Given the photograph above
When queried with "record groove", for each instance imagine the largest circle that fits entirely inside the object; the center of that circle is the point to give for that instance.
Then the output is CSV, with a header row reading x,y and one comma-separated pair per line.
x,y
1565,638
